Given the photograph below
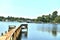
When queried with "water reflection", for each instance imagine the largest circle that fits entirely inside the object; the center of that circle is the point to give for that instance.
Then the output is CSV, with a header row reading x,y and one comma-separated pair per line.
x,y
24,34
50,29
54,30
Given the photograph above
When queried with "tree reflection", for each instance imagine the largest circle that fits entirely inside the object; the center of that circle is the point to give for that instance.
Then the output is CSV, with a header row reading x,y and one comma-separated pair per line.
x,y
49,29
54,30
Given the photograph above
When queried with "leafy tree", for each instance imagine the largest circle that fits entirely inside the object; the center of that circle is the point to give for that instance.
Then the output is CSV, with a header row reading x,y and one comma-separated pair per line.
x,y
39,18
57,19
1,18
54,15
47,18
43,18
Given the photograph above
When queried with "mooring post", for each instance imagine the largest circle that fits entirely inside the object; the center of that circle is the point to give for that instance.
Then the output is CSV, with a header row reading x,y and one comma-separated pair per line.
x,y
1,34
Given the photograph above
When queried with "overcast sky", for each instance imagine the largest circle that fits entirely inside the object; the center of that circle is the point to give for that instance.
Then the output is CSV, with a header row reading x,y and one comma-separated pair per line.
x,y
28,8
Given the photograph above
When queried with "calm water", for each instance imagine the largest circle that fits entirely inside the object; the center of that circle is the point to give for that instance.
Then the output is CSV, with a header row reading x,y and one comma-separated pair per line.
x,y
42,32
35,31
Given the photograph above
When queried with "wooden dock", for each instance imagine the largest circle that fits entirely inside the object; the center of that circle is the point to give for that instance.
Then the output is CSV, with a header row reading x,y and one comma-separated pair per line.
x,y
13,34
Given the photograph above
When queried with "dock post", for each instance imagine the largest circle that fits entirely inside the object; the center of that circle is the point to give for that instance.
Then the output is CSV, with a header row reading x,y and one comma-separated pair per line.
x,y
1,34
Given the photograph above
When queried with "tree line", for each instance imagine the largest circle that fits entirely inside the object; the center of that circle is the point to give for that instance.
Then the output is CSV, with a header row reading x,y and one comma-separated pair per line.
x,y
51,18
10,18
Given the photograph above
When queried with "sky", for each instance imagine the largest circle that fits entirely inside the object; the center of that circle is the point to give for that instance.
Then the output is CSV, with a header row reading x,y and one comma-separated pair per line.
x,y
28,8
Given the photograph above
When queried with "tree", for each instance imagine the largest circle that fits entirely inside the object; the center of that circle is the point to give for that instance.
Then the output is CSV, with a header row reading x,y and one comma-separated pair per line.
x,y
47,18
54,15
57,19
1,18
50,18
43,18
39,18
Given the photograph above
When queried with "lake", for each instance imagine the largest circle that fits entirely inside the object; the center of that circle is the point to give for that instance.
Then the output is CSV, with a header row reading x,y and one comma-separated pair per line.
x,y
42,31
